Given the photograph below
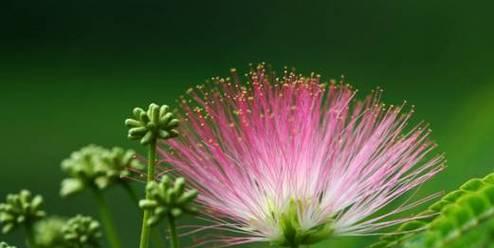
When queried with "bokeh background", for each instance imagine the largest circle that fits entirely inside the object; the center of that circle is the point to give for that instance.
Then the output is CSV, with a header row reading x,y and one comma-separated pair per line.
x,y
71,71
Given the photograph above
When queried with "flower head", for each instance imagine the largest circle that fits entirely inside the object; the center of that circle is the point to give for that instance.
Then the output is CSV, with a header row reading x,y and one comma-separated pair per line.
x,y
82,231
149,125
291,160
168,198
49,233
20,209
97,167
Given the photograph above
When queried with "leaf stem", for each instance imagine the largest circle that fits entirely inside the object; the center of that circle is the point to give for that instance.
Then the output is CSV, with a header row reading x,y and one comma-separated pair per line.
x,y
144,242
173,232
107,220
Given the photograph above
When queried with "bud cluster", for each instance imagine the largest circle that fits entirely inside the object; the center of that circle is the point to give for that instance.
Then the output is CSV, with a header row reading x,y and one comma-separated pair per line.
x,y
168,198
156,122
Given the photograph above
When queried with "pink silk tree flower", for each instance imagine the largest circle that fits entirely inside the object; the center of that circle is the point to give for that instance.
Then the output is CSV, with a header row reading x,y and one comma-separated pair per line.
x,y
292,161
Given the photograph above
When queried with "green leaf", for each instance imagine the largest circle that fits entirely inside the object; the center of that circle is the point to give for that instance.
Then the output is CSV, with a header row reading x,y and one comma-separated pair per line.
x,y
464,218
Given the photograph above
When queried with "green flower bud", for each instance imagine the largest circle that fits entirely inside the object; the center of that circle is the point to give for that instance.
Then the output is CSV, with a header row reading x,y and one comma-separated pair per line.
x,y
168,198
82,231
293,233
20,209
5,245
117,162
155,123
96,167
81,167
48,233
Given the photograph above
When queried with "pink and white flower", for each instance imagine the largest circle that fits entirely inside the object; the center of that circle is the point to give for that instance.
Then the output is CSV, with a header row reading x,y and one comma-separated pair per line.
x,y
291,160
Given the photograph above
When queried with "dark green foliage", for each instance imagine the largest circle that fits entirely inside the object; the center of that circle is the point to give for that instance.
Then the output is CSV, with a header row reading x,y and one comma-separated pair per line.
x,y
462,218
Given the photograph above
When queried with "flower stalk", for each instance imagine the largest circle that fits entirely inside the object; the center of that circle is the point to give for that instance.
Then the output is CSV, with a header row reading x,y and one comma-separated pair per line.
x,y
144,242
107,220
147,127
169,199
30,238
96,168
174,242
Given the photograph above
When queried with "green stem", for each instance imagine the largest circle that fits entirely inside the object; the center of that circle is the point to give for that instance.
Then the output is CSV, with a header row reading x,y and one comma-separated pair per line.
x,y
106,219
173,232
30,235
144,242
156,235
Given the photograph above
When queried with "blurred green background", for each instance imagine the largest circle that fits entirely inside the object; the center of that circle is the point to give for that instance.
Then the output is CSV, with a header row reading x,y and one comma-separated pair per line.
x,y
71,71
